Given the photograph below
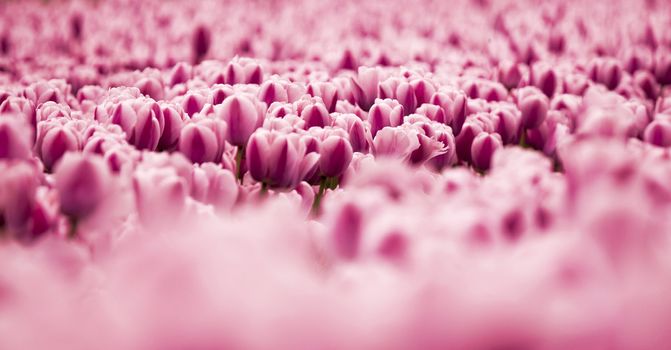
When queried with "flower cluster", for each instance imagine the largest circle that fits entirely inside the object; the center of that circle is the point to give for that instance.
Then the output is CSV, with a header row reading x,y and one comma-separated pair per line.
x,y
304,174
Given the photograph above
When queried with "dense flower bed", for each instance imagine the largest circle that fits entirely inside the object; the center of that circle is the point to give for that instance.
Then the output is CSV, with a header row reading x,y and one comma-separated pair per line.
x,y
335,175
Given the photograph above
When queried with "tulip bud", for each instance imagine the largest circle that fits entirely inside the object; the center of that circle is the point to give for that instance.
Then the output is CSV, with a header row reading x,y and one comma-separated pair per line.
x,y
335,156
534,107
328,92
83,183
384,113
54,141
364,87
508,123
423,90
180,74
201,43
213,185
141,120
147,129
20,106
173,122
198,143
257,152
160,197
359,136
316,115
647,83
283,163
433,112
272,91
43,91
275,160
19,182
241,116
509,74
15,139
637,58
483,148
544,78
193,103
151,87
663,66
556,42
607,72
464,140
405,94
243,71
658,132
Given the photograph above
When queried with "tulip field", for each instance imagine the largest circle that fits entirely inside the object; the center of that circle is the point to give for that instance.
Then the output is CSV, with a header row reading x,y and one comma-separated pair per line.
x,y
312,174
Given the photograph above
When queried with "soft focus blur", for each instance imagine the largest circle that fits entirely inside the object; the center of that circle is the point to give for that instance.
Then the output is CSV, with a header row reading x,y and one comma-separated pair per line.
x,y
296,174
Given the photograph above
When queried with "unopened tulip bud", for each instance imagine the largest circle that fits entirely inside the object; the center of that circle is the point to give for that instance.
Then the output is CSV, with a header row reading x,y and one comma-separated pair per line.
x,y
658,133
173,123
464,140
507,124
423,90
359,136
201,43
213,185
533,106
316,115
193,103
663,66
607,72
646,82
544,78
433,112
283,163
328,92
160,197
483,149
54,142
241,116
509,74
198,143
335,156
257,152
19,182
83,183
272,91
384,113
364,87
405,94
15,139
151,87
180,74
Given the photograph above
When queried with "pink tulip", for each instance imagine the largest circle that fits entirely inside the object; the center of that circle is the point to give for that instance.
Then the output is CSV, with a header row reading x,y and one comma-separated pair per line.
x,y
384,113
201,140
242,117
83,183
483,149
335,155
15,139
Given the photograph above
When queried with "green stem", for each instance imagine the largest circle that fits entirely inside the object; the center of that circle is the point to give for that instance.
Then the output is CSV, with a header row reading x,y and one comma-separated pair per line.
x,y
323,183
239,157
523,139
264,189
72,230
